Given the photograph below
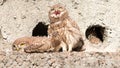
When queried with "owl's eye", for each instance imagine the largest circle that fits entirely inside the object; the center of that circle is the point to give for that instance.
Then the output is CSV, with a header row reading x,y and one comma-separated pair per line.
x,y
60,7
52,9
22,44
14,46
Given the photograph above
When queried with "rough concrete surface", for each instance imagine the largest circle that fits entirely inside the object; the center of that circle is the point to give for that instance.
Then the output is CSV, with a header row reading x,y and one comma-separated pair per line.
x,y
60,60
19,17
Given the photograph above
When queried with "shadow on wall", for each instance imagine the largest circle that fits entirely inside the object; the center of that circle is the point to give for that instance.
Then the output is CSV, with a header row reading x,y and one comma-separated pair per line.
x,y
95,33
1,37
2,2
40,29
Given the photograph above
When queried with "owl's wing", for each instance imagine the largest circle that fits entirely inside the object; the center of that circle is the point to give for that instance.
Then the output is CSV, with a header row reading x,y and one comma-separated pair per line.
x,y
33,48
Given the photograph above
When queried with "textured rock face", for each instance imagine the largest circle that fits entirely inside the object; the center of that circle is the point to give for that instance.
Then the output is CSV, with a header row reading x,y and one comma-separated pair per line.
x,y
60,60
19,17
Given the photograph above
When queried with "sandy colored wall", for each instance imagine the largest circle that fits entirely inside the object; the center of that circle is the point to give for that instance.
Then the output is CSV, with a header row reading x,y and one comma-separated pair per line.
x,y
19,17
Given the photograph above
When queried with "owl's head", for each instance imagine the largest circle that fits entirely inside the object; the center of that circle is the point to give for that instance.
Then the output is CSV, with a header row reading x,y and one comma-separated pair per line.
x,y
19,46
57,12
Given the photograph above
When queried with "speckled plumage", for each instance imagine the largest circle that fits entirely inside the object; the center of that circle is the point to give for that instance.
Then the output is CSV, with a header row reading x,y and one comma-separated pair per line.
x,y
63,29
32,44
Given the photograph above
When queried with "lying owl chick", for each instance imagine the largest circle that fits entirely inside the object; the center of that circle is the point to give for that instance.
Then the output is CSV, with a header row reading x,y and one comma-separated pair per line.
x,y
20,43
34,44
41,44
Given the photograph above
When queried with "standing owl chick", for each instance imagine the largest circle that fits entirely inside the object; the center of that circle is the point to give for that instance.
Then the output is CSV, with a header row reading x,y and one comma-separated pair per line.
x,y
63,30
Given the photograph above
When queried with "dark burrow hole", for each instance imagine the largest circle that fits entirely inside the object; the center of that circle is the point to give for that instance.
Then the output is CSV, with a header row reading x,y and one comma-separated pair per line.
x,y
40,29
95,33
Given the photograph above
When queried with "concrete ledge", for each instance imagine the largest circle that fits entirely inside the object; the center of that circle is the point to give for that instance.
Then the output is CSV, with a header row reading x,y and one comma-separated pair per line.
x,y
60,60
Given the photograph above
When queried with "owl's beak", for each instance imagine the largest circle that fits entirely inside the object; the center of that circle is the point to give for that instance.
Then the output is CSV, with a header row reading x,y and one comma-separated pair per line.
x,y
17,49
57,12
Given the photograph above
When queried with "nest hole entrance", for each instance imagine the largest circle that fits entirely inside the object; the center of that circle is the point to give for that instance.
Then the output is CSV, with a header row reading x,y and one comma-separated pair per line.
x,y
40,29
95,33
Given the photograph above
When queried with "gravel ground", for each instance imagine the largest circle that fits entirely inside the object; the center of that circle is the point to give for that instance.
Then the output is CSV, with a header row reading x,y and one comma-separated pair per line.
x,y
60,60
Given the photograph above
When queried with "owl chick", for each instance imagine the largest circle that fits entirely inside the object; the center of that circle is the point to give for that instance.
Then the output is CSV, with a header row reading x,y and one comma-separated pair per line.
x,y
63,29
